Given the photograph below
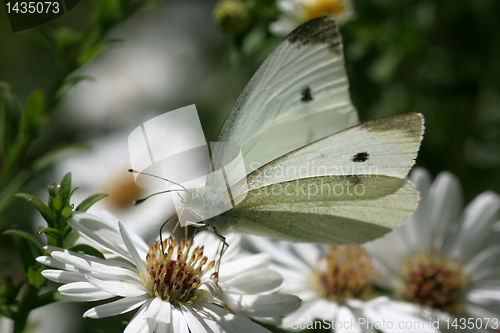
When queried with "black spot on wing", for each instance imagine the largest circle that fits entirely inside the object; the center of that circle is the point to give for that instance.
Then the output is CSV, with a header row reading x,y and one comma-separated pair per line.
x,y
360,157
321,30
306,95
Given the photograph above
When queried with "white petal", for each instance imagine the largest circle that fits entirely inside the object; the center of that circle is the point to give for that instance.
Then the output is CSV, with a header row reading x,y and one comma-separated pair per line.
x,y
391,249
482,295
112,221
305,314
63,276
446,201
483,262
109,267
418,226
165,314
119,288
179,323
120,306
93,237
385,313
193,322
230,323
83,291
325,309
481,312
160,310
294,281
212,244
139,263
310,253
220,294
272,305
140,323
52,262
347,321
254,282
479,218
277,251
236,267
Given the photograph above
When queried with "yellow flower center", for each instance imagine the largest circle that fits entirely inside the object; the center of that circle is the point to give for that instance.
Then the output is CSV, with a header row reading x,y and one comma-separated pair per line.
x,y
432,280
176,279
122,192
318,8
346,273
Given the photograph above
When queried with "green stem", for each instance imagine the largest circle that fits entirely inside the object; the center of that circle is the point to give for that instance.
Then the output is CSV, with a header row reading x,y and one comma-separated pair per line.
x,y
25,306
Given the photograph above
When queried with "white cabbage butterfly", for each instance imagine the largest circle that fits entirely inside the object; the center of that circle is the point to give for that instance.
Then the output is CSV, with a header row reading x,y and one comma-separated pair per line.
x,y
313,175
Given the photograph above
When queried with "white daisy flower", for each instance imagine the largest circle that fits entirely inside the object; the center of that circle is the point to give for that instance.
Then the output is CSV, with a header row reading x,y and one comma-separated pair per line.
x,y
172,285
440,260
296,12
334,284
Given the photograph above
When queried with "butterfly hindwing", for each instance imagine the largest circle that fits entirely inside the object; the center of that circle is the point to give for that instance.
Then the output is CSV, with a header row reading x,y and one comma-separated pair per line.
x,y
330,209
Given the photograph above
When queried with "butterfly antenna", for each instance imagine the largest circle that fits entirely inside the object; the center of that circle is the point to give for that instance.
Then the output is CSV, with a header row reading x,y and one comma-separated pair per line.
x,y
155,176
139,201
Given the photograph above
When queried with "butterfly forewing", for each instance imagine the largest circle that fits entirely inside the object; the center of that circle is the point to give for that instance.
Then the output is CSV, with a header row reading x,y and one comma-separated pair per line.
x,y
298,95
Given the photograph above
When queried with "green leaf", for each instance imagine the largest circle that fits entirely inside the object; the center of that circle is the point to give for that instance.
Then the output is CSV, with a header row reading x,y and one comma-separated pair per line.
x,y
33,114
108,11
67,211
40,206
72,192
70,238
25,252
53,232
89,201
15,184
87,249
66,189
56,202
35,277
28,237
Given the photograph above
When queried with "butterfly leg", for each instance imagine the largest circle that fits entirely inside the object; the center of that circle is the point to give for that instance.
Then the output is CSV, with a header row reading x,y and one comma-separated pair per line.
x,y
225,245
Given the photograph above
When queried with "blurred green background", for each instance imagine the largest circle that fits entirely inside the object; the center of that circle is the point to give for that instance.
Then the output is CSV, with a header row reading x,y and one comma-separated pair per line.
x,y
436,57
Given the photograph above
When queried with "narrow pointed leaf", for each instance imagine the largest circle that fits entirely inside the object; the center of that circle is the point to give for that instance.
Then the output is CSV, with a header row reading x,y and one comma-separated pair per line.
x,y
87,249
40,206
28,237
88,202
66,189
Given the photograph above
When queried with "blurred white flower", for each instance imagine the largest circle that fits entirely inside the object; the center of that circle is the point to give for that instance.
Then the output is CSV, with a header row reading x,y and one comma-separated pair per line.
x,y
172,285
157,64
440,260
104,170
41,320
334,284
296,12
